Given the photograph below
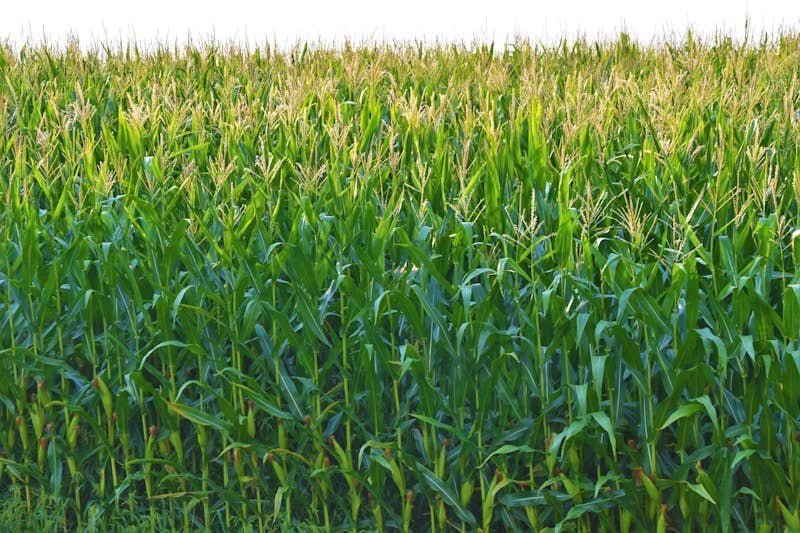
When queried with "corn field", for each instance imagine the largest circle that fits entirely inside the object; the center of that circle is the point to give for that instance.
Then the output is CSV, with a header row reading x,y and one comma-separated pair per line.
x,y
402,287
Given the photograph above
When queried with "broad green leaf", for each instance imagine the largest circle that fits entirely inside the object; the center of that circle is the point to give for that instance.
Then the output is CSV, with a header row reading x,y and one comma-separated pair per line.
x,y
200,417
506,449
604,422
447,494
682,412
700,490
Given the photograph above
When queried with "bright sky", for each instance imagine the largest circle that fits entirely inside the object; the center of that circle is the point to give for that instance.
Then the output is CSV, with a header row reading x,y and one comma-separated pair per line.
x,y
289,21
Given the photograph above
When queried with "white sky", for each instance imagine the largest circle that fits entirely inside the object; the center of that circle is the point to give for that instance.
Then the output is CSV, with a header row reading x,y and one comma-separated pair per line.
x,y
289,21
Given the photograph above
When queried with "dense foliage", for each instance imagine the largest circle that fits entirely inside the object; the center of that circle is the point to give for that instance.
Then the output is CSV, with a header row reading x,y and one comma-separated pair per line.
x,y
402,287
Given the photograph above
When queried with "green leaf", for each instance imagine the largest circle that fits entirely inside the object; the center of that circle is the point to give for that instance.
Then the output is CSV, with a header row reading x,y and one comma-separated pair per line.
x,y
534,498
309,317
682,412
447,494
435,316
290,391
505,450
570,431
441,425
604,422
701,491
193,348
199,417
705,401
